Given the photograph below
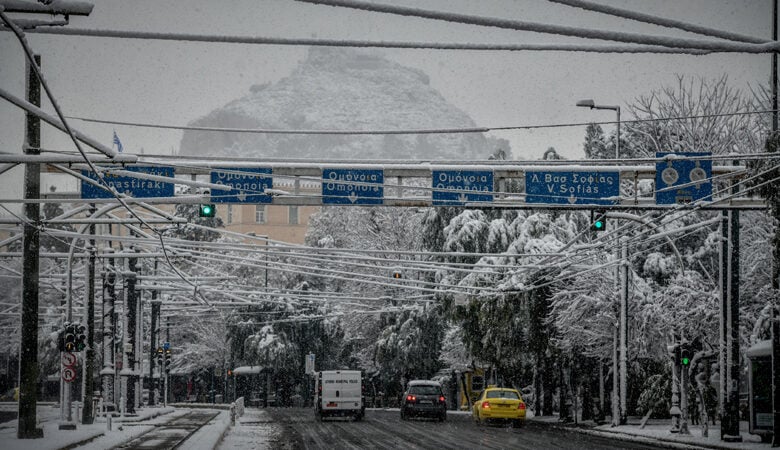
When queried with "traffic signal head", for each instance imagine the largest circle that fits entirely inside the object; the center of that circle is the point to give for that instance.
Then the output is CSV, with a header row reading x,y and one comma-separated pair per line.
x,y
598,220
168,360
685,357
81,338
61,340
69,339
397,275
207,210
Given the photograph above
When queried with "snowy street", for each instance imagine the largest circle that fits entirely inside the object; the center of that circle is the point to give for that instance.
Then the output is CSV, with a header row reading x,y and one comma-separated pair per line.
x,y
383,429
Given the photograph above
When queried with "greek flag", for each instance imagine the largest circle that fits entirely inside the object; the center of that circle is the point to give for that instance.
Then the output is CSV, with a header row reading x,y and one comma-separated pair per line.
x,y
117,142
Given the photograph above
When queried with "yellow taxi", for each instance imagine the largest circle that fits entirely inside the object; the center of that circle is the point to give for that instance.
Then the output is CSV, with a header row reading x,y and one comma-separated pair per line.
x,y
499,404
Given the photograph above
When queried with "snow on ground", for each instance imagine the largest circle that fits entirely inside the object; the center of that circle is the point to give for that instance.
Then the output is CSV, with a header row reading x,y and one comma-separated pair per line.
x,y
54,438
658,431
125,429
255,430
211,434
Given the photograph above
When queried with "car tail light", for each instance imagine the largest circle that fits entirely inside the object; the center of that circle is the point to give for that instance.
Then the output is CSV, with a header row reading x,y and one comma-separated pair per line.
x,y
441,399
521,406
485,405
411,398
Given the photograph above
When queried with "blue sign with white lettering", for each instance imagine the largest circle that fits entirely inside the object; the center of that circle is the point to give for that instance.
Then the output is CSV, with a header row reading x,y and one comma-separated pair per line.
x,y
573,188
352,186
132,186
458,187
248,185
166,345
680,181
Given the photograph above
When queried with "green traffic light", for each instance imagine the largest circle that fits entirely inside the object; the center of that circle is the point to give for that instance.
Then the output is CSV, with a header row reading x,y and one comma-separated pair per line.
x,y
207,210
599,224
686,361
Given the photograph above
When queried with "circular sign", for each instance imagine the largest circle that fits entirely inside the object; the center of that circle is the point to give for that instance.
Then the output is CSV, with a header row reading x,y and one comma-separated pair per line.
x,y
68,374
68,359
670,175
698,174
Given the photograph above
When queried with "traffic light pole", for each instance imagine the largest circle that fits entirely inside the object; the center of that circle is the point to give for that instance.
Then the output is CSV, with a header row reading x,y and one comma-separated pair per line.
x,y
28,350
153,344
89,366
684,392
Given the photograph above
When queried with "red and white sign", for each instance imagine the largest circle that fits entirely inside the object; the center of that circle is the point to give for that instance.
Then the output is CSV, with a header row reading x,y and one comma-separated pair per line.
x,y
68,359
68,374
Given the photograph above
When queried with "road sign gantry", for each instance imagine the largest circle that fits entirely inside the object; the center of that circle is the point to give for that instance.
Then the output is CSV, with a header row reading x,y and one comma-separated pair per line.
x,y
488,184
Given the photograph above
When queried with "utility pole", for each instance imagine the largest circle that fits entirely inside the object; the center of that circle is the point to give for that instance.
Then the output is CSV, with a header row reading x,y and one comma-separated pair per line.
x,y
775,260
28,350
167,368
615,383
109,296
153,341
89,366
624,333
128,336
138,347
730,329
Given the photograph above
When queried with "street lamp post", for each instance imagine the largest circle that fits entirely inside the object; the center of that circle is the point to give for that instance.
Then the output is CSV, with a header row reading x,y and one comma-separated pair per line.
x,y
590,104
623,286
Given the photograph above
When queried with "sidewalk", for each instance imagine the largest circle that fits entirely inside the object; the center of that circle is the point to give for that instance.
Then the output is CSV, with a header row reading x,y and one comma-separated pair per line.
x,y
657,431
56,439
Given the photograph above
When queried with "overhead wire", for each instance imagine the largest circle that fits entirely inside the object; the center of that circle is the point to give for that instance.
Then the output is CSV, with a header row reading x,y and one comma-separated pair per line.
x,y
562,30
318,42
463,130
34,67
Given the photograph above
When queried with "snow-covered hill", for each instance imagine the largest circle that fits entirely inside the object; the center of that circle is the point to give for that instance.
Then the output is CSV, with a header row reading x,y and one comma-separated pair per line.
x,y
342,89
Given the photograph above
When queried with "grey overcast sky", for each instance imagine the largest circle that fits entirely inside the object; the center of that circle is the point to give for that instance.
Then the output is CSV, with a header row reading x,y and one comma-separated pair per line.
x,y
173,83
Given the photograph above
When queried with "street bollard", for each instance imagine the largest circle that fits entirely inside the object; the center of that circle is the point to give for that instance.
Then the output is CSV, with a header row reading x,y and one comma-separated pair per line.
x,y
78,411
108,422
232,414
122,406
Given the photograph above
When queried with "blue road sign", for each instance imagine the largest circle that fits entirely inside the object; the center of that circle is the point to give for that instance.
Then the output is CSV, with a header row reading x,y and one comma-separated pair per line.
x,y
249,185
574,188
679,181
166,345
135,187
352,186
458,187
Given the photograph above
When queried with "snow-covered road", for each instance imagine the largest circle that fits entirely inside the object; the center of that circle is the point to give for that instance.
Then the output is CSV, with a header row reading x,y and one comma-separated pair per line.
x,y
384,429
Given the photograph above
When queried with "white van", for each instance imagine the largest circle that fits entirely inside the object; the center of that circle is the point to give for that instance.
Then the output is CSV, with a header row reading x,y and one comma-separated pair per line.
x,y
339,393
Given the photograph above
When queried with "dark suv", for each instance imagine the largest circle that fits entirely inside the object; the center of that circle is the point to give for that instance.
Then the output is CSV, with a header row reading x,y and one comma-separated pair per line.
x,y
423,398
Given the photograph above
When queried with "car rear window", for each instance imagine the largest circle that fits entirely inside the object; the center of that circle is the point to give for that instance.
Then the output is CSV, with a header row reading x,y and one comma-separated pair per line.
x,y
503,394
424,390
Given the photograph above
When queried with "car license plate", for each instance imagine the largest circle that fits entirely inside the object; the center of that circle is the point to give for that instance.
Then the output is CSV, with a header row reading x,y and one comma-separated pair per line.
x,y
504,406
426,402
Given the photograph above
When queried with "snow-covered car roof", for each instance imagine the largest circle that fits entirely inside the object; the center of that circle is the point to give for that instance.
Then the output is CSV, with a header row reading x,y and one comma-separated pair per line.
x,y
247,370
424,383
